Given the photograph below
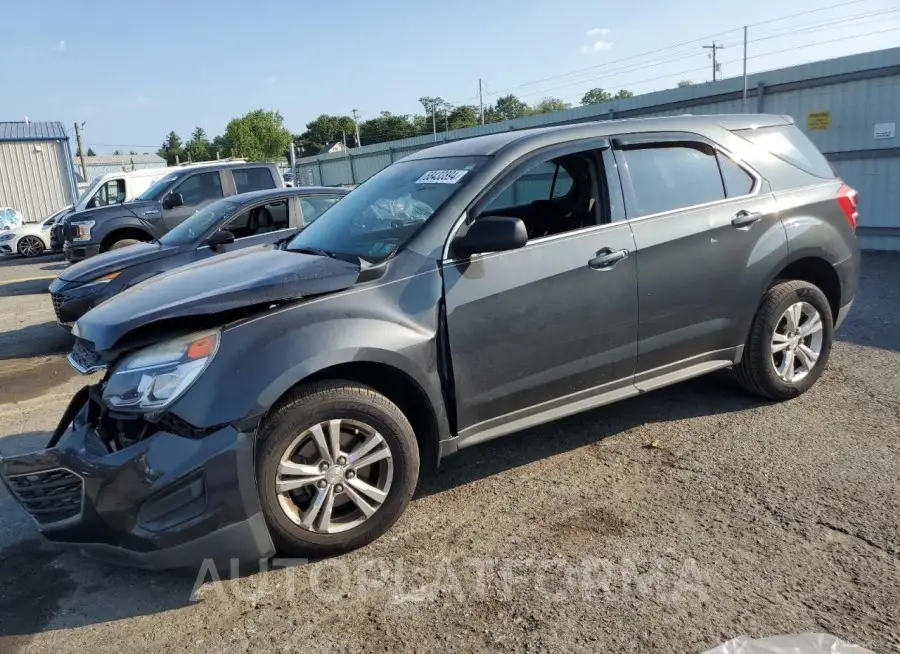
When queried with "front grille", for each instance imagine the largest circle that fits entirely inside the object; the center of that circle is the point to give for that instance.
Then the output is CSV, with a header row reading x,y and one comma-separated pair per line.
x,y
50,496
57,236
57,301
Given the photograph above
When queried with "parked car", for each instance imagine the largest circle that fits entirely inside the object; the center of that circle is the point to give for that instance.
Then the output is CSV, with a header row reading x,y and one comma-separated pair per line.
x,y
229,224
30,239
106,190
287,398
10,218
162,206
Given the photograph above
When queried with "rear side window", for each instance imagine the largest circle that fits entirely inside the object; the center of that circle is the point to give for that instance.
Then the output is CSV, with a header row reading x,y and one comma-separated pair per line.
x,y
313,207
737,181
666,177
252,179
789,144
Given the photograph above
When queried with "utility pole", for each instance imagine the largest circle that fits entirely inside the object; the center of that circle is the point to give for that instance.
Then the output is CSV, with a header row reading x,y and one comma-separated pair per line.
x,y
744,102
446,119
714,47
434,120
81,152
356,122
481,98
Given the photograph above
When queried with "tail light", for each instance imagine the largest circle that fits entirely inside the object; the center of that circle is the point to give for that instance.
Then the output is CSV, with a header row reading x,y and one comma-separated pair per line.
x,y
848,200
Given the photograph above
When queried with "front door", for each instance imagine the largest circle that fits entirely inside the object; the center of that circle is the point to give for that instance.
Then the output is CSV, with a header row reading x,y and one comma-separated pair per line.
x,y
707,236
540,329
197,191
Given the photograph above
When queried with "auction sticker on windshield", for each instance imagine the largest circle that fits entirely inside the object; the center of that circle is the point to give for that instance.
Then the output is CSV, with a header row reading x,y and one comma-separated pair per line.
x,y
441,177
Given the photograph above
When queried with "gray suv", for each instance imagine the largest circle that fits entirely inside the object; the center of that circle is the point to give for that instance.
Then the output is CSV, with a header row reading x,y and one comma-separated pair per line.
x,y
162,207
284,397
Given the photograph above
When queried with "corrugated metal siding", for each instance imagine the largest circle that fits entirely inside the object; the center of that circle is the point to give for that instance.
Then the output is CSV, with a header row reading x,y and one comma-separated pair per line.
x,y
34,177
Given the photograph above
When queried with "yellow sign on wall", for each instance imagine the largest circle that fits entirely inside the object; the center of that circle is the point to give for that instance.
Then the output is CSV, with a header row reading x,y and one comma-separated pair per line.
x,y
818,120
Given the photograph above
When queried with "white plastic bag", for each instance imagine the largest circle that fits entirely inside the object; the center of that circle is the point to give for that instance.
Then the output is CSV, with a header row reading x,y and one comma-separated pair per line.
x,y
789,644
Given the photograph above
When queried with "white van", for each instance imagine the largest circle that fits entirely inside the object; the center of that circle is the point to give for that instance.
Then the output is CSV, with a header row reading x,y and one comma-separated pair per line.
x,y
113,188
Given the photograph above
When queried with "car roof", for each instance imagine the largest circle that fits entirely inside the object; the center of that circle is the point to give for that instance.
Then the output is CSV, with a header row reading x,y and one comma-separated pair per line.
x,y
492,144
252,196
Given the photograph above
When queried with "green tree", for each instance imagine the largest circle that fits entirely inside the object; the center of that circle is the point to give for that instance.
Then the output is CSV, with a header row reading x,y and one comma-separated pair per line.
x,y
325,129
463,116
171,149
596,96
91,153
199,148
386,127
685,82
433,107
549,105
116,153
132,152
624,93
509,107
259,135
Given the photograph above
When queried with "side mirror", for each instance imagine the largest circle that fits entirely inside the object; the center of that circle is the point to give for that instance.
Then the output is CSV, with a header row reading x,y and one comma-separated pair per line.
x,y
492,234
173,200
219,238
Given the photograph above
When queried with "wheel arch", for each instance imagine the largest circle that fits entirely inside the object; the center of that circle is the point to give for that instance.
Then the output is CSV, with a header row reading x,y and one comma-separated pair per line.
x,y
820,273
392,381
125,231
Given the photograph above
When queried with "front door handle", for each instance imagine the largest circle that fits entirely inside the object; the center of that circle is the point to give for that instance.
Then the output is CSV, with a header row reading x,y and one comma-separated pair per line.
x,y
745,218
607,258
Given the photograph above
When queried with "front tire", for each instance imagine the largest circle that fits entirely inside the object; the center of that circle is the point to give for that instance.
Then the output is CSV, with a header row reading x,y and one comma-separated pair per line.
x,y
789,343
31,246
336,466
124,243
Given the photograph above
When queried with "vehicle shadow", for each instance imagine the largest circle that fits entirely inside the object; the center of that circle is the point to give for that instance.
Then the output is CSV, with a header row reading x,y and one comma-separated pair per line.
x,y
34,340
711,394
25,287
873,319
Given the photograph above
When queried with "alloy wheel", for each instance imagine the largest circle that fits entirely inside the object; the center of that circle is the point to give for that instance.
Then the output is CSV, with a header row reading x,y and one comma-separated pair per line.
x,y
797,342
334,476
29,246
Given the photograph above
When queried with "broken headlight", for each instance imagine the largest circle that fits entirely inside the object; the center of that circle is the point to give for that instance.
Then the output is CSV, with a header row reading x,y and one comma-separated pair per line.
x,y
152,378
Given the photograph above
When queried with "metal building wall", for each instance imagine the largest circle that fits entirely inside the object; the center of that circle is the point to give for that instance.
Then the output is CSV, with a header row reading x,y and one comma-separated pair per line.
x,y
857,92
33,178
98,170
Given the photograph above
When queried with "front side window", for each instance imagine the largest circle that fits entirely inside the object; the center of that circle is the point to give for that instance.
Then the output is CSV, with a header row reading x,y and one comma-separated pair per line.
x,y
384,212
112,192
252,179
313,207
552,197
158,188
269,217
200,188
666,177
200,222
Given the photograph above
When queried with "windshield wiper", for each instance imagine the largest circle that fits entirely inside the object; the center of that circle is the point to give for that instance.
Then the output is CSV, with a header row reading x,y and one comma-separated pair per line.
x,y
317,251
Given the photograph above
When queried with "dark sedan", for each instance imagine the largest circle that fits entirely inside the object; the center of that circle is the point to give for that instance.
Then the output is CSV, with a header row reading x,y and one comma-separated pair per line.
x,y
233,223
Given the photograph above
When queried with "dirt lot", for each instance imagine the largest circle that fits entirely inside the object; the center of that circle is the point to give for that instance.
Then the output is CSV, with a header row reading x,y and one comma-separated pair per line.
x,y
666,523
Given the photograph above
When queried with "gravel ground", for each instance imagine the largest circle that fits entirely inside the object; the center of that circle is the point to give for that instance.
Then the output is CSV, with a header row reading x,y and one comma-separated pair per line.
x,y
666,523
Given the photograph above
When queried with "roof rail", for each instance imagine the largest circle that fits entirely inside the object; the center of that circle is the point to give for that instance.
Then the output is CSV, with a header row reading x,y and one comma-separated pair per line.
x,y
215,162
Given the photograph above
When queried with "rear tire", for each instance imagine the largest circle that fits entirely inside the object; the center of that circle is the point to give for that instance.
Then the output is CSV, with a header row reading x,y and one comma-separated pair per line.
x,y
30,246
789,343
296,450
124,243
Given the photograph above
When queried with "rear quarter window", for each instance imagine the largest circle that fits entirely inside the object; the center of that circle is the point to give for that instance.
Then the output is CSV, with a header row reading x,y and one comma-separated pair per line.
x,y
252,179
789,144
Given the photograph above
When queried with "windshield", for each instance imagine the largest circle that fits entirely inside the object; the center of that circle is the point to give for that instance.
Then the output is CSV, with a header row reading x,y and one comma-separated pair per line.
x,y
89,190
200,222
379,216
157,188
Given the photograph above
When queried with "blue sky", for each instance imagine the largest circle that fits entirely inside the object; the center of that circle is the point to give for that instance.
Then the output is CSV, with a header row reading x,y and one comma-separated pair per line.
x,y
134,70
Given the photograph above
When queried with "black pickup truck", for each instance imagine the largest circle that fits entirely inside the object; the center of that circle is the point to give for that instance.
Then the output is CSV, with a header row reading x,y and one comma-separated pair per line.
x,y
160,208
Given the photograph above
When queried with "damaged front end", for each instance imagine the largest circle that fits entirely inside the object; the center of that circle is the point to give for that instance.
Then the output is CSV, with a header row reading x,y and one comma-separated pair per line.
x,y
125,480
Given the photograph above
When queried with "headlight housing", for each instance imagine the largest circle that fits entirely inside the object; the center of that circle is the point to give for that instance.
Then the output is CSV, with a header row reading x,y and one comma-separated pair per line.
x,y
151,379
7,237
83,230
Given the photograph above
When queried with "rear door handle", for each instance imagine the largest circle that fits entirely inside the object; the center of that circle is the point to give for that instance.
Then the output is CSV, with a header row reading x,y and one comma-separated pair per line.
x,y
745,218
607,258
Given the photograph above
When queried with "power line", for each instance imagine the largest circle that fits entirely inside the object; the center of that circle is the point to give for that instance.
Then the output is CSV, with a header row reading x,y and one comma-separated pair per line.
x,y
674,46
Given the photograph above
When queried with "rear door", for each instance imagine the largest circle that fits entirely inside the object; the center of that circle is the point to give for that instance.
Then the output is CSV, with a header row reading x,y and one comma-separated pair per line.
x,y
707,233
551,326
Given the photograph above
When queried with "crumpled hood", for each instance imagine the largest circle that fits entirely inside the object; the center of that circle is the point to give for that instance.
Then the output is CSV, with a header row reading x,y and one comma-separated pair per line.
x,y
107,262
252,276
